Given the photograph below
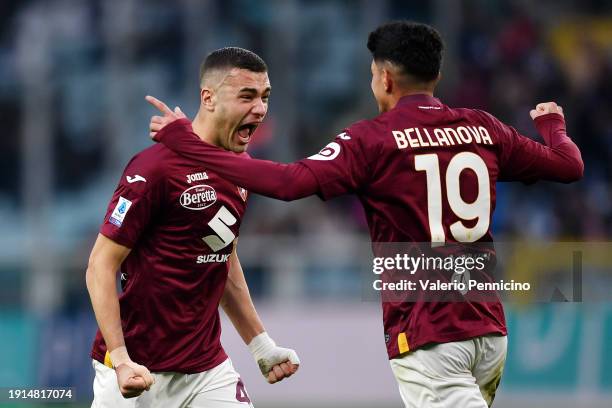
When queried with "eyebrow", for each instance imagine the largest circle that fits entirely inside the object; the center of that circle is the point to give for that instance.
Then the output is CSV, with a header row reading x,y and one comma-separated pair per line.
x,y
254,91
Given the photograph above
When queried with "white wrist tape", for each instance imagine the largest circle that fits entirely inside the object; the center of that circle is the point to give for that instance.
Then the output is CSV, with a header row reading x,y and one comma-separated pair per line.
x,y
267,354
261,345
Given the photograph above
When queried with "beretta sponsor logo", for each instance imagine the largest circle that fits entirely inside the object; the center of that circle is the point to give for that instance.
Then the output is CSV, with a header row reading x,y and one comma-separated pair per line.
x,y
198,197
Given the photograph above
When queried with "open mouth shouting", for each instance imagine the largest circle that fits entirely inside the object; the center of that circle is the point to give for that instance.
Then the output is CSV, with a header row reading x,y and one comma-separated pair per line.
x,y
246,131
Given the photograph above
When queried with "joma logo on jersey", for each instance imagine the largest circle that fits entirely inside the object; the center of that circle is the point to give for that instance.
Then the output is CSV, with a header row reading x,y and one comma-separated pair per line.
x,y
197,177
213,258
198,197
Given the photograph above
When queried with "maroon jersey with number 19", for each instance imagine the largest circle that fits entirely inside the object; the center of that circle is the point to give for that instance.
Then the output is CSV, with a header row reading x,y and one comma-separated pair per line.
x,y
180,219
424,172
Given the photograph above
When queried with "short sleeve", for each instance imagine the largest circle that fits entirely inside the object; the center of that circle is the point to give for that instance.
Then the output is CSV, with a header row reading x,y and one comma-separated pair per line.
x,y
135,202
341,166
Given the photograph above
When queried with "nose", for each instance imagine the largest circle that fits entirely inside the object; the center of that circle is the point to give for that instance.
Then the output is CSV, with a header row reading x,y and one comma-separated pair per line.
x,y
260,107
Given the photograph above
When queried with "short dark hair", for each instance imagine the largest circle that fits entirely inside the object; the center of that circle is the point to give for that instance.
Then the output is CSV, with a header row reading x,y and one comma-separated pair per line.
x,y
232,57
414,47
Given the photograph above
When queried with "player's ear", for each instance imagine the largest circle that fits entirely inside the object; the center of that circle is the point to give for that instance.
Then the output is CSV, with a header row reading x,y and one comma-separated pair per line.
x,y
387,80
438,78
207,99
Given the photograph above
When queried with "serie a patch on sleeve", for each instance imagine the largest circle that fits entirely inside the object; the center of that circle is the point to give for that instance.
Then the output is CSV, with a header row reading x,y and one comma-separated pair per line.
x,y
121,209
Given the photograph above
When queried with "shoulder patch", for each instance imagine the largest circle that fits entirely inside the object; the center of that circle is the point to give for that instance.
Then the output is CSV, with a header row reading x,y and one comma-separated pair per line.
x,y
329,152
121,209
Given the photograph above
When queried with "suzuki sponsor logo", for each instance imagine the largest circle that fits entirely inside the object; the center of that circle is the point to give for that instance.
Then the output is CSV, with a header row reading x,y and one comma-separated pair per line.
x,y
198,197
197,177
213,258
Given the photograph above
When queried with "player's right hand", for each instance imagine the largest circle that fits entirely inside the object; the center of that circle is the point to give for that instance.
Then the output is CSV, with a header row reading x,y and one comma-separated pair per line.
x,y
133,379
158,122
545,108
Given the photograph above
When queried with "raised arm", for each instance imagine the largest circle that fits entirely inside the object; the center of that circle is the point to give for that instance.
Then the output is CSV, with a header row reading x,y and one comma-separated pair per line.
x,y
523,159
281,181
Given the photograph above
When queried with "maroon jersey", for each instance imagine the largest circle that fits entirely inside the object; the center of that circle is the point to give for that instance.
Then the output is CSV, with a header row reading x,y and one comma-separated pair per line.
x,y
180,220
424,173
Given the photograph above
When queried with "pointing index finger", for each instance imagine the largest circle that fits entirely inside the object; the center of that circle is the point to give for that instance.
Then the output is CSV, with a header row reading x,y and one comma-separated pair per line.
x,y
158,104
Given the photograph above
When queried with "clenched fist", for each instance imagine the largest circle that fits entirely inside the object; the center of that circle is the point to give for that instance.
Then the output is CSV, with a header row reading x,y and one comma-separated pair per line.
x,y
544,108
275,363
133,378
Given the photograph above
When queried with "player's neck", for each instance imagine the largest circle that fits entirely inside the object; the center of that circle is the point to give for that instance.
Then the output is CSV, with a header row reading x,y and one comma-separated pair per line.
x,y
406,92
201,129
415,92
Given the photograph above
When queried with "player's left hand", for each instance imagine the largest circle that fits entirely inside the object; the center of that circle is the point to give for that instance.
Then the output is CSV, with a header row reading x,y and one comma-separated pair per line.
x,y
158,122
545,108
287,364
275,363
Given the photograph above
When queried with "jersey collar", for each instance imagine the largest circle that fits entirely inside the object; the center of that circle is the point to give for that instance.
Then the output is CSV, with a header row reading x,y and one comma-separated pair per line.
x,y
419,99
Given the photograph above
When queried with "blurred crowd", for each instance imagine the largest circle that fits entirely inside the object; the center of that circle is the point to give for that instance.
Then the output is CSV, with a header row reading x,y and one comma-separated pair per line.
x,y
80,70
511,60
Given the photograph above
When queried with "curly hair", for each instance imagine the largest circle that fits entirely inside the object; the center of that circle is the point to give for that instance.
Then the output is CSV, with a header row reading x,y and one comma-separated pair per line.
x,y
416,48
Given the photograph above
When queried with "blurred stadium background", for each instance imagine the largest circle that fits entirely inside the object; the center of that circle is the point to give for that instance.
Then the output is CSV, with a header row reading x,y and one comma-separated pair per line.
x,y
73,75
